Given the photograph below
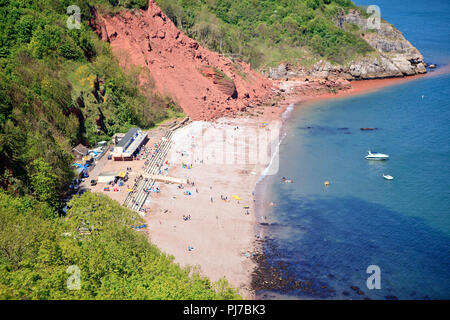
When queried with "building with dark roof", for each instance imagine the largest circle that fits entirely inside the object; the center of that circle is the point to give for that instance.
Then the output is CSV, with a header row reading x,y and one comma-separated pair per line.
x,y
129,145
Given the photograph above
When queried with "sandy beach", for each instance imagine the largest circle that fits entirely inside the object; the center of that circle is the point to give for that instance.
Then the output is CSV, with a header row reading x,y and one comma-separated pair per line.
x,y
221,227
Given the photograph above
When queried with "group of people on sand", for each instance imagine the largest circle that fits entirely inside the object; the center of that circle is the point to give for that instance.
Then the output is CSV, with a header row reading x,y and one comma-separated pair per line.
x,y
191,183
186,166
186,217
153,189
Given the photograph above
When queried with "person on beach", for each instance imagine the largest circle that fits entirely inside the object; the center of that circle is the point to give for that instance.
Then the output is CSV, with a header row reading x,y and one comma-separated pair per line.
x,y
211,199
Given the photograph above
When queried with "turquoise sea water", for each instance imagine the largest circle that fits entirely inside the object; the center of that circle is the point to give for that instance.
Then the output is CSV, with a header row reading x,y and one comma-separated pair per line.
x,y
331,235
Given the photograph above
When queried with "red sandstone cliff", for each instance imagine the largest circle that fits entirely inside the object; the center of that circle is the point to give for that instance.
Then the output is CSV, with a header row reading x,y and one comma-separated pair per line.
x,y
205,84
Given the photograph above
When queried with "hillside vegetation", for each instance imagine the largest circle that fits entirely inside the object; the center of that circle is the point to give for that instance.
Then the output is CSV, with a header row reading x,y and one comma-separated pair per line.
x,y
267,32
40,258
60,87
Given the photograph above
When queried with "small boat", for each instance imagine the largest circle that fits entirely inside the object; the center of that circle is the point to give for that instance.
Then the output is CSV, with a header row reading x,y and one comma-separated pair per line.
x,y
368,129
286,180
388,177
376,156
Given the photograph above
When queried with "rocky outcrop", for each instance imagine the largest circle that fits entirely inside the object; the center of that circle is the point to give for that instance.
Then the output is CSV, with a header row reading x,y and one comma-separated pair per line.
x,y
98,25
221,80
394,56
150,40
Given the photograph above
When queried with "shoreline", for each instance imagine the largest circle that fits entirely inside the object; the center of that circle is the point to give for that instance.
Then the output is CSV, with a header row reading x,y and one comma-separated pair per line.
x,y
359,87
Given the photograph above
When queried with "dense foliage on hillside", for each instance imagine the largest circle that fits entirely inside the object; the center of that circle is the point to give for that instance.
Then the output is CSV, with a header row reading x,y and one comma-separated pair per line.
x,y
60,87
40,257
266,32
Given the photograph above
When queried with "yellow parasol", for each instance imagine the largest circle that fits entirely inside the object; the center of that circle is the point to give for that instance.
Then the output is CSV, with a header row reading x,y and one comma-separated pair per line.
x,y
236,197
121,175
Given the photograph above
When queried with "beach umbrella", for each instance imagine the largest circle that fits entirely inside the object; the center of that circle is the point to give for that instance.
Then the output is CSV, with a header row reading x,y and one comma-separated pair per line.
x,y
246,207
236,197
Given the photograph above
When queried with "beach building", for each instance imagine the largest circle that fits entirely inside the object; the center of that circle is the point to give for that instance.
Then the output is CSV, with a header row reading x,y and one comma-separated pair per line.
x,y
80,151
129,145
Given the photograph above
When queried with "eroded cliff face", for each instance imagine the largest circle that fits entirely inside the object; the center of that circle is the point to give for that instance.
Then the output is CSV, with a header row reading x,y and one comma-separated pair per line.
x,y
394,56
205,84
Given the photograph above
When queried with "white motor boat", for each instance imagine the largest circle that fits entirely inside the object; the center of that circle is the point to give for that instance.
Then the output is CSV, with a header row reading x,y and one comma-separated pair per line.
x,y
376,156
388,177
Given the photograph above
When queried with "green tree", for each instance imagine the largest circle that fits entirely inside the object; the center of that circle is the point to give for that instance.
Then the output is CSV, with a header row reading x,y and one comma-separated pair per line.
x,y
44,182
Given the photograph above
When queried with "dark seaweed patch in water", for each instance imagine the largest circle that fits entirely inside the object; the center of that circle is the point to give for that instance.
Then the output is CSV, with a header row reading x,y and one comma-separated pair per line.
x,y
342,237
274,273
279,227
317,130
